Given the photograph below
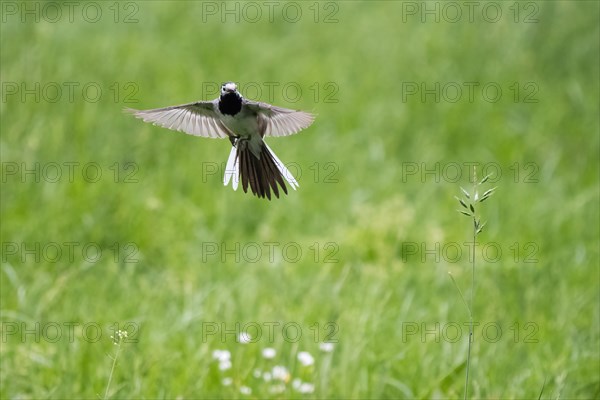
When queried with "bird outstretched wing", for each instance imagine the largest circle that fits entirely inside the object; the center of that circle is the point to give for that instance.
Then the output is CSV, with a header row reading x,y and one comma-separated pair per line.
x,y
198,119
279,121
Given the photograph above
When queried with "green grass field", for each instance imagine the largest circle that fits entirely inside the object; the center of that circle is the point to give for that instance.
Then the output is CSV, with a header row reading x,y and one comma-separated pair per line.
x,y
109,223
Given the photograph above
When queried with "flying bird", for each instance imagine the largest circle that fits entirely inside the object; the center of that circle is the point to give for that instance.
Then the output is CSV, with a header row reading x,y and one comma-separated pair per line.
x,y
245,123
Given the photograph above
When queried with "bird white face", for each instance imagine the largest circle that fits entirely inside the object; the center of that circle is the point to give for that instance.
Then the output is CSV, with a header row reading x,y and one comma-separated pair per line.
x,y
228,87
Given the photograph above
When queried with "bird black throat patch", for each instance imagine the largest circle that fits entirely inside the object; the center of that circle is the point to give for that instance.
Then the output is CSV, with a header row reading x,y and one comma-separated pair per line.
x,y
230,104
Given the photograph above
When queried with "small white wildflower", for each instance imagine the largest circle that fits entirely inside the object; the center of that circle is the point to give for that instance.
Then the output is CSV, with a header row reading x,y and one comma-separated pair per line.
x,y
305,358
269,353
326,347
221,355
245,390
267,376
281,373
306,388
276,389
244,338
224,365
257,373
120,335
227,381
296,383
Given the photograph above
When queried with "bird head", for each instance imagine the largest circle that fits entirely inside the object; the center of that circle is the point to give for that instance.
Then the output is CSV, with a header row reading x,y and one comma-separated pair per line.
x,y
228,87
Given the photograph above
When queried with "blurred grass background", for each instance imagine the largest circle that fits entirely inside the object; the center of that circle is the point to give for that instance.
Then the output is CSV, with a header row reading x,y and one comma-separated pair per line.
x,y
365,217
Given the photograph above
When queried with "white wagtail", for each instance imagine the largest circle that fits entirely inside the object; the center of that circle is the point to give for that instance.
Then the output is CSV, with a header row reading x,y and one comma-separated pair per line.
x,y
245,123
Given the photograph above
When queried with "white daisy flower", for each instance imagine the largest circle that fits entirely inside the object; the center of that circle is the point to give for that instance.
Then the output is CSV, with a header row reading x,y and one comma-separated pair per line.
x,y
326,347
227,381
305,358
303,387
267,376
224,365
280,373
221,355
245,390
276,389
244,338
269,353
306,388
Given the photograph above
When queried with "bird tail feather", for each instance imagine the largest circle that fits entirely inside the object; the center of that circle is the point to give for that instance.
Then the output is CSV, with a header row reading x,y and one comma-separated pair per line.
x,y
263,174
